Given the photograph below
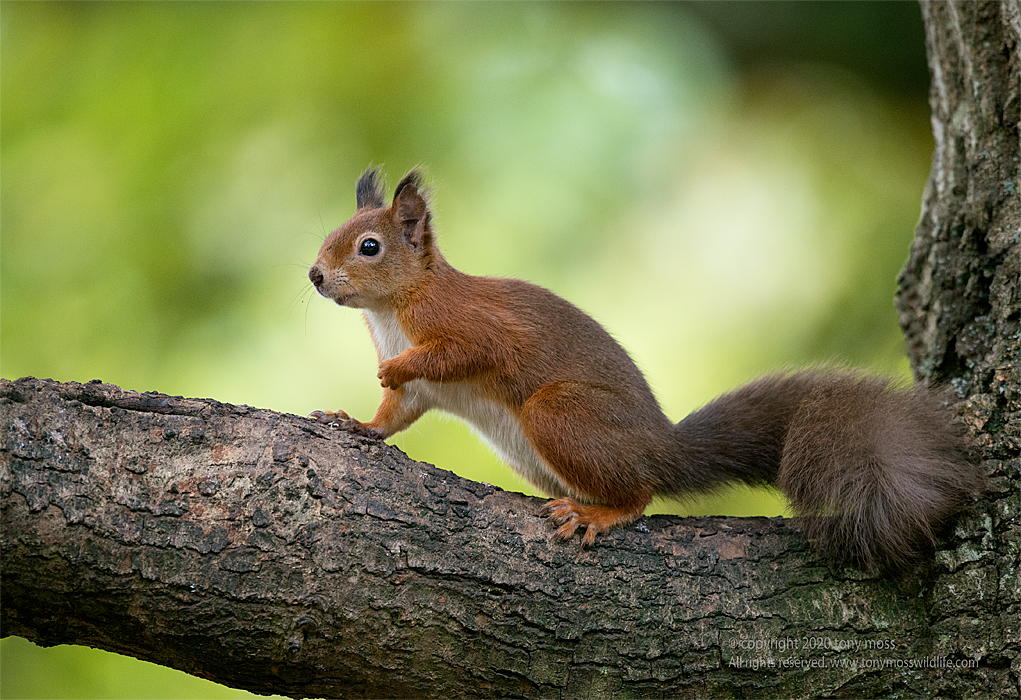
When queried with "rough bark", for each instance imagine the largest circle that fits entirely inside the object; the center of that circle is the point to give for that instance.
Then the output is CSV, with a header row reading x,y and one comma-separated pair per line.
x,y
958,297
960,302
268,552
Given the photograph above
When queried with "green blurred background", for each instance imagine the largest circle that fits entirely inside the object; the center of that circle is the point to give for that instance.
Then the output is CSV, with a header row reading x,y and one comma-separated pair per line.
x,y
727,187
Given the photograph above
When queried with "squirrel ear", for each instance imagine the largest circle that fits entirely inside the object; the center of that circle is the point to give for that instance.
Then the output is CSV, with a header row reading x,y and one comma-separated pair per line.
x,y
370,191
411,211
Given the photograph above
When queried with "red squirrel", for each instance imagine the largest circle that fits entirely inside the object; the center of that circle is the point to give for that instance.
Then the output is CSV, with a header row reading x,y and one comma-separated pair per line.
x,y
872,470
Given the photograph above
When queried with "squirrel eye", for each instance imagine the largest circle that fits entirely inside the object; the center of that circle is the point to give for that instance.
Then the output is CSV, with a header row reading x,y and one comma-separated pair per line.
x,y
369,247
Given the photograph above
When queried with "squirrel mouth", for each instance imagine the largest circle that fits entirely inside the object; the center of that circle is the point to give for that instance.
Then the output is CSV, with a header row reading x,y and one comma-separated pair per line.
x,y
342,299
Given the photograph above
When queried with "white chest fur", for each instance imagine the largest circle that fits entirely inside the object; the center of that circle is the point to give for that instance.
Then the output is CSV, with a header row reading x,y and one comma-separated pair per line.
x,y
494,422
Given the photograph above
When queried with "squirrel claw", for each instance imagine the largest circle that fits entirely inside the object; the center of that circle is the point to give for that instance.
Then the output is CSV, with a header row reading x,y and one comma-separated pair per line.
x,y
342,421
322,416
334,418
564,514
567,515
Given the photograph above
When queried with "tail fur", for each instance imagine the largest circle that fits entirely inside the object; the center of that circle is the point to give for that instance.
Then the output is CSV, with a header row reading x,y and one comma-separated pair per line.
x,y
873,471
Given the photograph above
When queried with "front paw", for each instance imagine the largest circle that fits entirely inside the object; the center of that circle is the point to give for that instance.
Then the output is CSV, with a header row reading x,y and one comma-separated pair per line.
x,y
341,421
391,376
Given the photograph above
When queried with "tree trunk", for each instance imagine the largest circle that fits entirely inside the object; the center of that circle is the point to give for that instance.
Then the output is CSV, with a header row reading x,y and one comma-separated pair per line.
x,y
960,307
267,552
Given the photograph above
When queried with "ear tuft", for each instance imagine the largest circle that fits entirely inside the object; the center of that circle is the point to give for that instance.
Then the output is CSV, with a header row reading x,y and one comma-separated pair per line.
x,y
370,192
413,179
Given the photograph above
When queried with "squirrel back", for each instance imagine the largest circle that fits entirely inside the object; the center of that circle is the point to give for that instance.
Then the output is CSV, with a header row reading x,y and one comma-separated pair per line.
x,y
872,470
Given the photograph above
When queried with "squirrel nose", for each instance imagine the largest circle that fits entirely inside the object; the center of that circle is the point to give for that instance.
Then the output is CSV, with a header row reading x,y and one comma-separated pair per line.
x,y
315,275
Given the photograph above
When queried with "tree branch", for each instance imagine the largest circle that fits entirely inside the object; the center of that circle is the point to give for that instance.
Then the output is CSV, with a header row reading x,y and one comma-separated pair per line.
x,y
268,552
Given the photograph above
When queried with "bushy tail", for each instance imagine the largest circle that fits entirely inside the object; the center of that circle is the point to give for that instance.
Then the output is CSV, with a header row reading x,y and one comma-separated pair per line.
x,y
875,471
872,470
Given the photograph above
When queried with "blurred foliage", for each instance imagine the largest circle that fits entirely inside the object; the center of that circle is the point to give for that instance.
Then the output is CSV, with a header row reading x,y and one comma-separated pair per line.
x,y
68,671
727,187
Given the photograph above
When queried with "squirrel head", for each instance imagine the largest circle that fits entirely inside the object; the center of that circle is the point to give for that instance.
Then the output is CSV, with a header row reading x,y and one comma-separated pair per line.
x,y
381,253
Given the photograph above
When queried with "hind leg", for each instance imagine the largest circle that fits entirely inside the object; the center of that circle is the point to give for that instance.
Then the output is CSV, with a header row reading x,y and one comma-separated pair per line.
x,y
596,451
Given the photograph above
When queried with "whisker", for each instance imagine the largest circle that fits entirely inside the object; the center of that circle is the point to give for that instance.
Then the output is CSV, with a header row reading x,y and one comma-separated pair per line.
x,y
300,297
322,225
300,265
311,289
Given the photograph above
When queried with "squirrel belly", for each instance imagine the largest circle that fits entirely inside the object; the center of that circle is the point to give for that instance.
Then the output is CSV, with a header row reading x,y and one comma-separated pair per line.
x,y
872,470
